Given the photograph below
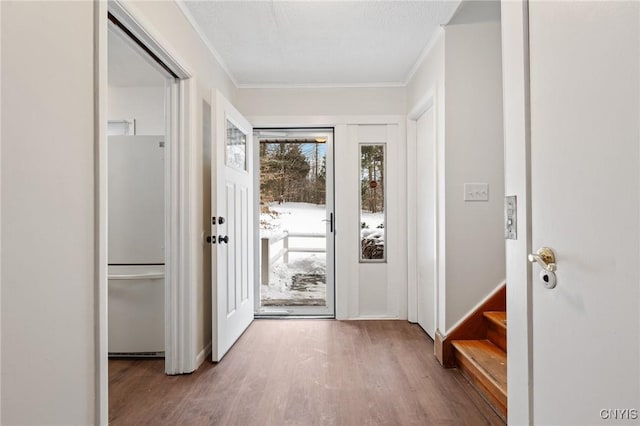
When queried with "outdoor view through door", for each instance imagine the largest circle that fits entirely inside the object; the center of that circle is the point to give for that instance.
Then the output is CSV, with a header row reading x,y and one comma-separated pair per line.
x,y
296,222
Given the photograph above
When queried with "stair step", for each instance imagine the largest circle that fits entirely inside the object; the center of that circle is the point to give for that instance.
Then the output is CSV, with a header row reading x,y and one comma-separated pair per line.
x,y
497,330
485,365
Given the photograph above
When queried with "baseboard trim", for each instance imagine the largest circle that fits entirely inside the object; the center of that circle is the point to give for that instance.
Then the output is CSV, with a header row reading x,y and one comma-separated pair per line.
x,y
373,318
472,326
204,353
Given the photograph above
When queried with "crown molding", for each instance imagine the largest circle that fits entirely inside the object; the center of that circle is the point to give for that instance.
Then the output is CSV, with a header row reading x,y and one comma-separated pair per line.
x,y
425,52
187,14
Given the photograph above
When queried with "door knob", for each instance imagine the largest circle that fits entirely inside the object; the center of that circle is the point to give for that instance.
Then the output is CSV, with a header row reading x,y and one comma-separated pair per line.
x,y
222,239
546,258
211,240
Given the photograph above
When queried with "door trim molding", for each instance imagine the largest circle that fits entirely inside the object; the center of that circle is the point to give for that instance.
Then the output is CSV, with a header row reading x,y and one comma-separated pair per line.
x,y
517,155
422,106
430,100
100,211
329,310
180,318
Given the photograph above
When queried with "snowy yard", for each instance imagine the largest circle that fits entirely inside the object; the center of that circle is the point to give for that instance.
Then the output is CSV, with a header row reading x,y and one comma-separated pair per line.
x,y
302,281
372,235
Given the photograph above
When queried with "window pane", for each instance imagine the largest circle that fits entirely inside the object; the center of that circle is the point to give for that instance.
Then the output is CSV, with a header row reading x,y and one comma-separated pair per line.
x,y
236,147
372,203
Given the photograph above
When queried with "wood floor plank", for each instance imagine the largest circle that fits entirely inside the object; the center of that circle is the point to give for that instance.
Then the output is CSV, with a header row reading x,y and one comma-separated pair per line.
x,y
304,372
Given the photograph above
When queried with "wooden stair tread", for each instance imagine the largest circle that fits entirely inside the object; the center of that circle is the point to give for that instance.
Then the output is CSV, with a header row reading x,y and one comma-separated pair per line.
x,y
497,318
486,366
497,328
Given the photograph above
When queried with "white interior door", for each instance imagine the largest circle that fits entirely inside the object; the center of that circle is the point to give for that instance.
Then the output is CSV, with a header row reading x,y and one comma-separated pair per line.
x,y
426,221
232,225
585,206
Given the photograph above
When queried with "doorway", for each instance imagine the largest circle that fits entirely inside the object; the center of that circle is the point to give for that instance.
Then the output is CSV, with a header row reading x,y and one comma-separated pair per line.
x,y
177,88
136,138
296,223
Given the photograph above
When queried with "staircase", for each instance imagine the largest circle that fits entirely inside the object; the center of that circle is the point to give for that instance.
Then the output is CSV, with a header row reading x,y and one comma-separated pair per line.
x,y
484,361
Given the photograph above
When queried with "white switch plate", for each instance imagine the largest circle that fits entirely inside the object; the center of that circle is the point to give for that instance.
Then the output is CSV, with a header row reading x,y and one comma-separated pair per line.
x,y
476,192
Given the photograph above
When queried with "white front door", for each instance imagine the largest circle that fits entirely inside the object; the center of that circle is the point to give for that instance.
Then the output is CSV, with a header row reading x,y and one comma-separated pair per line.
x,y
231,225
585,187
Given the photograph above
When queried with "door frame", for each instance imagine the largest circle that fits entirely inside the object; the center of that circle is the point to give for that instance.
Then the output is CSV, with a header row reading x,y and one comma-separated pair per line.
x,y
346,289
330,207
517,155
179,292
427,102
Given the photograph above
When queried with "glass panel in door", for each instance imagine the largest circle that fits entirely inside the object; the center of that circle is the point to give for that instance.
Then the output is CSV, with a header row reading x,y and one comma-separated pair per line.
x,y
296,222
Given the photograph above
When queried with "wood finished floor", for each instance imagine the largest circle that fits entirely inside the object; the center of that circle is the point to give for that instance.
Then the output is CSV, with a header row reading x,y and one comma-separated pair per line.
x,y
304,372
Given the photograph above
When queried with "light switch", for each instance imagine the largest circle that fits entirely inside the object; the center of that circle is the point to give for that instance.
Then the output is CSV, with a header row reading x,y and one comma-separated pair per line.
x,y
476,192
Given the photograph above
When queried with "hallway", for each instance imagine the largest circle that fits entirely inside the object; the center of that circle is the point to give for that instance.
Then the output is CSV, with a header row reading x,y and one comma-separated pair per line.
x,y
304,372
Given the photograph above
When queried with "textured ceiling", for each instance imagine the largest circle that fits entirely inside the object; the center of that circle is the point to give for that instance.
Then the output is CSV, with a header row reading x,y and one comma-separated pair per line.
x,y
308,43
128,65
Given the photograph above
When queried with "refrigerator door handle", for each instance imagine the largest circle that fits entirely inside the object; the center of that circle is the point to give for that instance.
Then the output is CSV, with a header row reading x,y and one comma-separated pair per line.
x,y
148,276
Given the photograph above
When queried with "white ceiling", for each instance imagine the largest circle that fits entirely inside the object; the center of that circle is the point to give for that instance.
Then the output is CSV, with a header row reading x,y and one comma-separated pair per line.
x,y
129,65
318,43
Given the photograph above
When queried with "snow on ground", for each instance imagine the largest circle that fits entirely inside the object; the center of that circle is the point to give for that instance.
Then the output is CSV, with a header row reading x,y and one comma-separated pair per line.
x,y
373,227
295,218
372,220
280,285
304,218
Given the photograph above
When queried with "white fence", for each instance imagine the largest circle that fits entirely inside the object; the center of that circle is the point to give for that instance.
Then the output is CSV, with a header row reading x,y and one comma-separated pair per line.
x,y
266,259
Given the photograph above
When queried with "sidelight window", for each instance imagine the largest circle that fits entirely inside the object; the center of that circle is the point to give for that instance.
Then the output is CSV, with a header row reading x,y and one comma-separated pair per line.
x,y
372,203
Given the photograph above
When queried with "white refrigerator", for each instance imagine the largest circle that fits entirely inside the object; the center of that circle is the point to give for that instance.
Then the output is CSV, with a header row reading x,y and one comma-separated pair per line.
x,y
136,245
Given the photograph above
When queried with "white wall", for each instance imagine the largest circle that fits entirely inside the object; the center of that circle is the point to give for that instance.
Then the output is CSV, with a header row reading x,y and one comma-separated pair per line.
x,y
322,101
144,104
0,216
47,213
428,80
461,77
474,249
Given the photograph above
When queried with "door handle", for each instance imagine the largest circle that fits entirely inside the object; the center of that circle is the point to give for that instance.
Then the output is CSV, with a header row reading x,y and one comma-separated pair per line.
x,y
222,239
211,239
547,259
330,220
